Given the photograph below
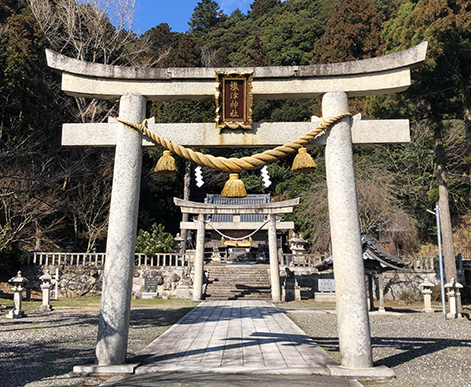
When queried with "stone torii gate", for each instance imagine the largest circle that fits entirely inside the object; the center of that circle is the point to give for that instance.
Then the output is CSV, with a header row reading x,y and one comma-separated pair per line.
x,y
333,82
269,209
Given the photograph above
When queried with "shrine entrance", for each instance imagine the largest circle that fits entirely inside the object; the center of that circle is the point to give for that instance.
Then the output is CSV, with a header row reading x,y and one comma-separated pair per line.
x,y
203,209
334,83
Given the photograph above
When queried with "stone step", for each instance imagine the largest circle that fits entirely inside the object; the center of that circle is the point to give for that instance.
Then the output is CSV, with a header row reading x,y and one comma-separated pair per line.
x,y
238,282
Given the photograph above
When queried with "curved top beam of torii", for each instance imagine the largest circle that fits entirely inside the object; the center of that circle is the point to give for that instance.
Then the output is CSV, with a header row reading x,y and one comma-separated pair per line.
x,y
381,75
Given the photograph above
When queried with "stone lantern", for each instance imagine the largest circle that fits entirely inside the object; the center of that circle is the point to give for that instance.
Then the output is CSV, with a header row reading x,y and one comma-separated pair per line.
x,y
179,240
18,288
427,292
46,286
296,245
453,294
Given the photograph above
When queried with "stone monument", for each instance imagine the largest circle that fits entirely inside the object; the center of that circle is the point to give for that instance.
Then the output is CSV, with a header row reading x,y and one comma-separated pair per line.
x,y
453,294
46,286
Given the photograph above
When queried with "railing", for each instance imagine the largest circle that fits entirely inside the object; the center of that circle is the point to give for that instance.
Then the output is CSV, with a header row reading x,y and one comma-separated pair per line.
x,y
305,260
422,262
98,259
167,259
68,259
308,260
466,253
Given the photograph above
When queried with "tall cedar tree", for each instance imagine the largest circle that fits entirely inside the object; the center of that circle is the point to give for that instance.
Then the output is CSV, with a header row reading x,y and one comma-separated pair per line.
x,y
353,32
258,55
206,15
442,86
187,54
260,7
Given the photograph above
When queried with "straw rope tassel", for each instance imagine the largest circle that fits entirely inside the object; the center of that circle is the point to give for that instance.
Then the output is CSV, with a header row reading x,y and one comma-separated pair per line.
x,y
303,162
234,187
166,164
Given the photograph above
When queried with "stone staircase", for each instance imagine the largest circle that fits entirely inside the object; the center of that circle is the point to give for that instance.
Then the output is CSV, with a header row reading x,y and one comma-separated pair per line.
x,y
236,282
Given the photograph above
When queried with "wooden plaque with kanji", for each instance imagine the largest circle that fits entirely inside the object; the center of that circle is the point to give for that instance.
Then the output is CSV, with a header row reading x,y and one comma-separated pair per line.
x,y
234,100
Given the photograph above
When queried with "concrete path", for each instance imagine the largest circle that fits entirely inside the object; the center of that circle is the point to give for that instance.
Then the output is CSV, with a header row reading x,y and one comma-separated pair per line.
x,y
235,337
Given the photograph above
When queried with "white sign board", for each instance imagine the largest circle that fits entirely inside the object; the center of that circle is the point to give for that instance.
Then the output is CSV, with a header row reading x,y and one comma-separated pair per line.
x,y
326,285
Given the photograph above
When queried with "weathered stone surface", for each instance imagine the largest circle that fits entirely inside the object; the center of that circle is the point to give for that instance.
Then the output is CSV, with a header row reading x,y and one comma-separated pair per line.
x,y
121,242
352,309
375,76
262,134
411,57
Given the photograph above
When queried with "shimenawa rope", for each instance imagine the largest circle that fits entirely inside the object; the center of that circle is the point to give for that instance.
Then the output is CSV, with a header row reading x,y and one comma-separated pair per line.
x,y
236,164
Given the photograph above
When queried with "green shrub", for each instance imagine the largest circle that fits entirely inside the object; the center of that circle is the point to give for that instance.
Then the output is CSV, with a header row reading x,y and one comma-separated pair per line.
x,y
156,241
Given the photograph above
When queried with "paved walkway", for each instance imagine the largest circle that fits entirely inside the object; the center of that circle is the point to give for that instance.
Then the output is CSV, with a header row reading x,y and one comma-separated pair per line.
x,y
235,337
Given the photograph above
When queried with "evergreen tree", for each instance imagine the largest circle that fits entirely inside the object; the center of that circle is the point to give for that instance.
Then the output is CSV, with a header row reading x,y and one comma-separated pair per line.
x,y
206,15
441,89
261,7
187,53
353,32
258,54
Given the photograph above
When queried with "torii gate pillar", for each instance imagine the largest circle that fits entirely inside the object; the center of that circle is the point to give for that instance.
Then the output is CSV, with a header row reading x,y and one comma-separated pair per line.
x,y
113,325
349,272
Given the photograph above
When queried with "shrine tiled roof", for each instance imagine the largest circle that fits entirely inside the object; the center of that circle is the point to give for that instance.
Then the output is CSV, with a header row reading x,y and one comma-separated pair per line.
x,y
251,199
374,258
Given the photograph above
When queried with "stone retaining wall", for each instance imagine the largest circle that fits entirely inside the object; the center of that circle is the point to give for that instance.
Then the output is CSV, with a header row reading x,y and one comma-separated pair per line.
x,y
395,282
78,281
172,281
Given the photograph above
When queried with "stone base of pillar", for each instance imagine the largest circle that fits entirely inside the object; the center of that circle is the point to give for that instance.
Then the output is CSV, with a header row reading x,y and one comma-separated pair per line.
x,y
15,314
45,308
381,372
127,368
452,316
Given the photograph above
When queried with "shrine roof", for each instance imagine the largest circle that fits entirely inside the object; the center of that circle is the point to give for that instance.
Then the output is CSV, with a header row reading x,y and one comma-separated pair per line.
x,y
374,258
250,199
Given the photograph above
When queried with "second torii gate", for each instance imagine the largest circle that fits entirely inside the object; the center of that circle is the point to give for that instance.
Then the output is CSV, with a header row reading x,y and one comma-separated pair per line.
x,y
269,209
333,82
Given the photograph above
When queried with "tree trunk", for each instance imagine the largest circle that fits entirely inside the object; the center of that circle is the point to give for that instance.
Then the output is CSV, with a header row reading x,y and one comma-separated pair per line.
x,y
38,234
466,95
443,203
186,196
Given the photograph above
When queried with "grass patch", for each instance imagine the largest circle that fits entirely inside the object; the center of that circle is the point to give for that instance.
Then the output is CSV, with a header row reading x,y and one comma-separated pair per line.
x,y
94,302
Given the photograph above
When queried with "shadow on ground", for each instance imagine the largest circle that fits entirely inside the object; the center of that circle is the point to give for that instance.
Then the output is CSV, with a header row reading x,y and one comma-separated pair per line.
x,y
409,347
216,380
41,350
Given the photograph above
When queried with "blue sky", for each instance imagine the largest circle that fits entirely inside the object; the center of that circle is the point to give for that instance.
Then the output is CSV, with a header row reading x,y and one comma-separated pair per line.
x,y
176,13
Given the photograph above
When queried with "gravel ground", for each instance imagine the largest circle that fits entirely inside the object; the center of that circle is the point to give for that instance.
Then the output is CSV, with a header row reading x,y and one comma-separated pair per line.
x,y
41,349
422,349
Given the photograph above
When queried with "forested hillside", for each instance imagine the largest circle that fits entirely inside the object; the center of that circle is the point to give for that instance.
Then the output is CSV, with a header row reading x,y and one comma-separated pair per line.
x,y
53,198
